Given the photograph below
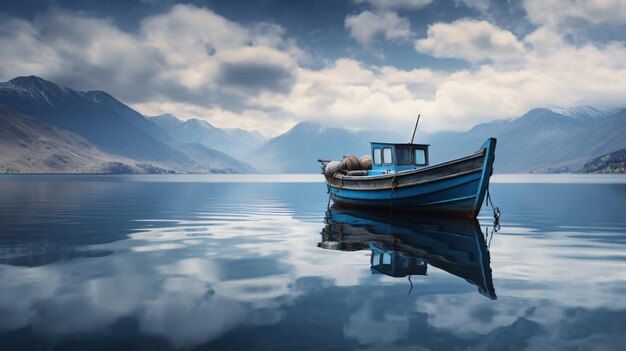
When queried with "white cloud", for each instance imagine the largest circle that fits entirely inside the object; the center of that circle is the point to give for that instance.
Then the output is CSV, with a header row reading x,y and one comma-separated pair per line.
x,y
474,41
365,26
351,94
563,13
191,62
367,328
397,4
177,55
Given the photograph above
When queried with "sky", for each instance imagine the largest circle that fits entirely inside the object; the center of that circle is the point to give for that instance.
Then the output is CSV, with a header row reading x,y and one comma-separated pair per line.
x,y
358,64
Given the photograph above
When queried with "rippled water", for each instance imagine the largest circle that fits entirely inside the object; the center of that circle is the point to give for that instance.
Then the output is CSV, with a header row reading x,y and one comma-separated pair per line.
x,y
257,262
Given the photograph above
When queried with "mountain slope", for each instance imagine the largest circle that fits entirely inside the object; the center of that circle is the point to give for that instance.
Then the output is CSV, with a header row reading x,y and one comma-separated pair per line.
x,y
214,161
585,112
194,131
603,138
297,150
615,162
539,141
528,139
133,117
68,109
110,126
30,145
236,142
247,140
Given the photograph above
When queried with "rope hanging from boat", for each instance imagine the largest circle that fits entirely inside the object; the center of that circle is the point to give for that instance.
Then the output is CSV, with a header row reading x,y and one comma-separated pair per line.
x,y
489,234
394,184
496,212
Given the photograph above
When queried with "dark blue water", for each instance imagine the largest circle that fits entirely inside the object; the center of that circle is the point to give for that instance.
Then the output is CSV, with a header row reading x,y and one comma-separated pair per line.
x,y
184,262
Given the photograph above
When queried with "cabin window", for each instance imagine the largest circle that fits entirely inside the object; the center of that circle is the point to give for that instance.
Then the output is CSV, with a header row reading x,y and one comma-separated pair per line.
x,y
419,157
387,155
386,259
376,258
403,156
378,157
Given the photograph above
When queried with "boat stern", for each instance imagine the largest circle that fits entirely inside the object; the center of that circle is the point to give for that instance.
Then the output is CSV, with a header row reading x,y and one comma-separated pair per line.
x,y
490,154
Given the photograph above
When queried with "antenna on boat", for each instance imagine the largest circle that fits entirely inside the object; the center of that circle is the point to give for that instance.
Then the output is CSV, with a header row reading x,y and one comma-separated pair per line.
x,y
415,129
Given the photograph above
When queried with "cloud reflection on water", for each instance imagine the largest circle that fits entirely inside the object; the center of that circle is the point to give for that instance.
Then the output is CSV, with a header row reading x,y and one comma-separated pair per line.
x,y
192,271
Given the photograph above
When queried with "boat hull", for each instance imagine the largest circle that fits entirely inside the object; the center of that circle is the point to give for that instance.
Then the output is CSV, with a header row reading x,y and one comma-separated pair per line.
x,y
456,187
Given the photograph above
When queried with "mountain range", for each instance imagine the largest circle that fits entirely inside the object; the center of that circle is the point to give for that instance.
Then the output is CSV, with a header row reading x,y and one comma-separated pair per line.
x,y
48,128
236,142
297,150
97,128
540,141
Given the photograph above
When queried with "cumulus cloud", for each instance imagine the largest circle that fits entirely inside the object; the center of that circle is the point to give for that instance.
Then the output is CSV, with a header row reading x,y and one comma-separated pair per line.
x,y
365,26
562,13
254,70
187,56
189,61
255,76
470,40
78,51
348,93
397,4
184,53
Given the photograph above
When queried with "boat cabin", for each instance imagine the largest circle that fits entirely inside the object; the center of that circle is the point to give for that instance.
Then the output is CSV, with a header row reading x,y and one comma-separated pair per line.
x,y
394,263
390,158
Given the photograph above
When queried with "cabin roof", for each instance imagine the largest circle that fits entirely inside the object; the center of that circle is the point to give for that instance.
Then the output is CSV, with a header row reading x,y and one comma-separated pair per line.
x,y
403,144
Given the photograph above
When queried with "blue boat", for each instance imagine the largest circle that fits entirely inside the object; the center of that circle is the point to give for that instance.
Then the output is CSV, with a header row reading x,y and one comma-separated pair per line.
x,y
402,179
406,244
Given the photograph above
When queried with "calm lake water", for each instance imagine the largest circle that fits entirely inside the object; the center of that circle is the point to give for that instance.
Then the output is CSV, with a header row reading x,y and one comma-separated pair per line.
x,y
257,263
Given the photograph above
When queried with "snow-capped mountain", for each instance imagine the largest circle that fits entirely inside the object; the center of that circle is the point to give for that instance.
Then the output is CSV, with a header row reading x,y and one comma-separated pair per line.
x,y
584,112
541,140
109,125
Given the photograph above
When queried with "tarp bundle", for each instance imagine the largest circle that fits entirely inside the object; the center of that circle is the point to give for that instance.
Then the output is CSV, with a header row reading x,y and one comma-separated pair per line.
x,y
331,168
366,162
349,165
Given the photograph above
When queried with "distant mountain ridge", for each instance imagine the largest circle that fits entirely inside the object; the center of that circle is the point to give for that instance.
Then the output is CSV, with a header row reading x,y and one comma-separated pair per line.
x,y
112,128
297,150
235,142
44,126
68,109
29,145
135,118
584,112
542,140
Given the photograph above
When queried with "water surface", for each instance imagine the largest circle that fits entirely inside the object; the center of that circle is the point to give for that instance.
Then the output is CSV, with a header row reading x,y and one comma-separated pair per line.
x,y
257,262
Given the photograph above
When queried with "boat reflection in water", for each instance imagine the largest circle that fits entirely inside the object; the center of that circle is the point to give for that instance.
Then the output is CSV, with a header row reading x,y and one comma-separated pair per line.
x,y
403,245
